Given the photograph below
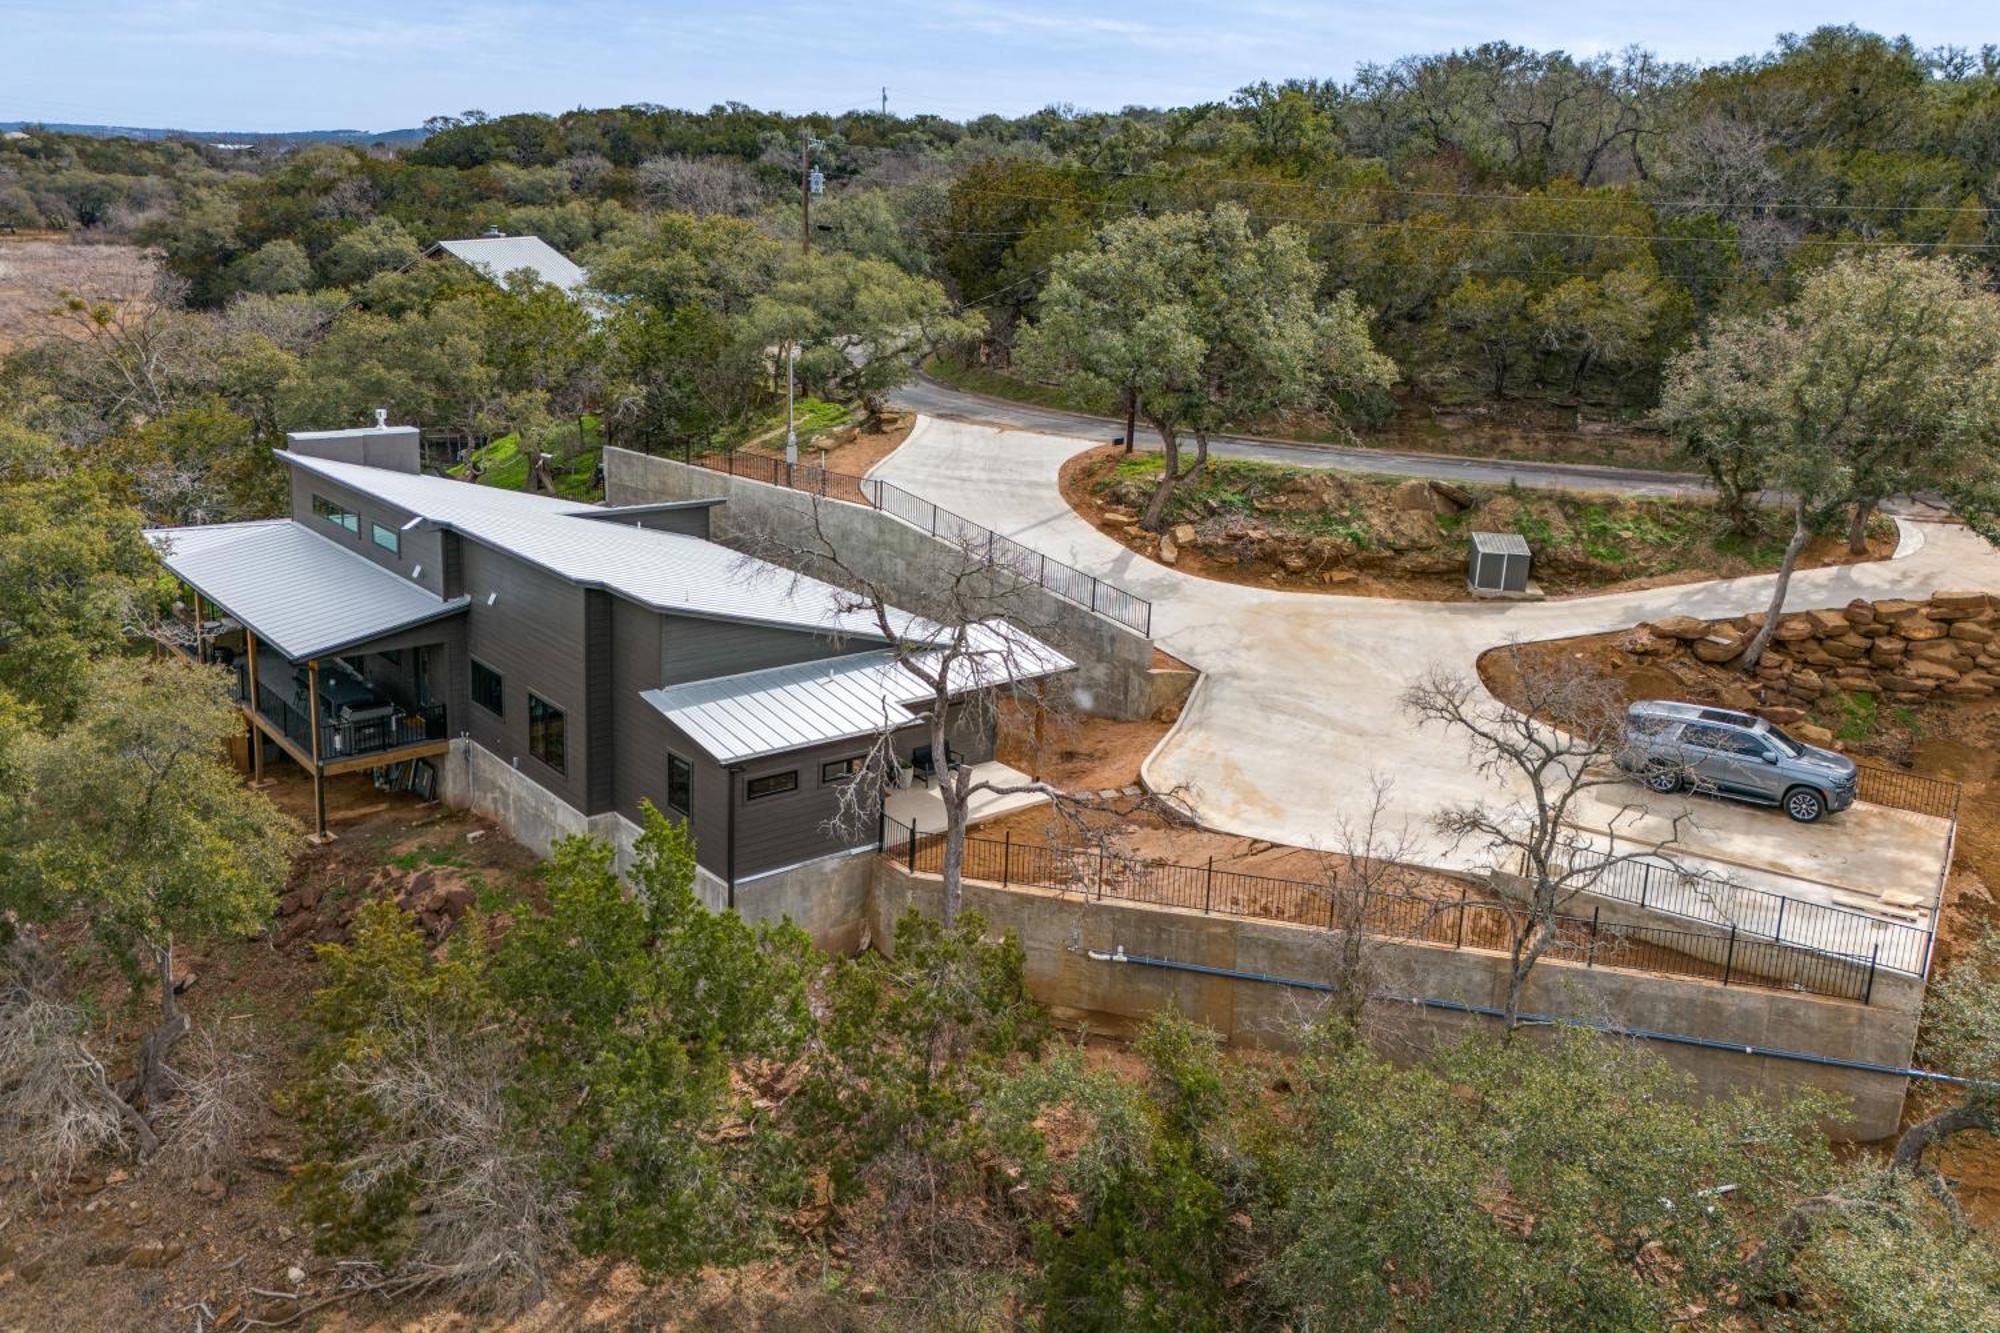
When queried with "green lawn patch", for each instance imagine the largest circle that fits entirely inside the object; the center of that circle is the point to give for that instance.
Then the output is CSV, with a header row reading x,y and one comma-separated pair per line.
x,y
505,464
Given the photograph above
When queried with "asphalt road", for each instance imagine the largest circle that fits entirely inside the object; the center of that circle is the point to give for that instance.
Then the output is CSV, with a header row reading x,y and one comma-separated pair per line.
x,y
924,394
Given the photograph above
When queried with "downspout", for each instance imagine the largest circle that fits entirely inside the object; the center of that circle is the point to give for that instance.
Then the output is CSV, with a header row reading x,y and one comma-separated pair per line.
x,y
730,838
1119,955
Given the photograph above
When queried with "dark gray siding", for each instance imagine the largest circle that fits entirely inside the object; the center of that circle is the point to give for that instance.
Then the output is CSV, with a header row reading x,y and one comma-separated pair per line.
x,y
775,831
532,633
694,649
597,707
422,546
689,520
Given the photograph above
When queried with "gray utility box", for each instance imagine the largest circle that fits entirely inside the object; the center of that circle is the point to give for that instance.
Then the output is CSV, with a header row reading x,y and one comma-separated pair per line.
x,y
1499,562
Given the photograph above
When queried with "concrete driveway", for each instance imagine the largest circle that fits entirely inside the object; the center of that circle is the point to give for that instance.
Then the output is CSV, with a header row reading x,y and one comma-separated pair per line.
x,y
1297,707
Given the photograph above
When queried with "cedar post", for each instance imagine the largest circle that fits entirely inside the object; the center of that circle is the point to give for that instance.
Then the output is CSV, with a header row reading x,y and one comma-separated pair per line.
x,y
197,625
319,778
256,733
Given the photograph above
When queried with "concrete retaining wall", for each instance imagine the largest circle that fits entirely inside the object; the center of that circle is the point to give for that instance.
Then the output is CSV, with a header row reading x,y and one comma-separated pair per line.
x,y
1057,930
850,902
1115,676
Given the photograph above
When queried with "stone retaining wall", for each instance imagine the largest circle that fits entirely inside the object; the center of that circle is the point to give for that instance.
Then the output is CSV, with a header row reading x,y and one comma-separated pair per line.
x,y
1903,651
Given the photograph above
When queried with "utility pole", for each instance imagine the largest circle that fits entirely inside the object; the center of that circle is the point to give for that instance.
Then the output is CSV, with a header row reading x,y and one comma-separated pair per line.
x,y
805,196
885,99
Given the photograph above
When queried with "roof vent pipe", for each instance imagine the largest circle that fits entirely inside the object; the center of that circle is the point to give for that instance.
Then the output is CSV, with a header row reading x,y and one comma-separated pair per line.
x,y
381,418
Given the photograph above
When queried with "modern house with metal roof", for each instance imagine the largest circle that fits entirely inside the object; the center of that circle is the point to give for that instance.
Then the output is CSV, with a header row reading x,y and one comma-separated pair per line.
x,y
584,659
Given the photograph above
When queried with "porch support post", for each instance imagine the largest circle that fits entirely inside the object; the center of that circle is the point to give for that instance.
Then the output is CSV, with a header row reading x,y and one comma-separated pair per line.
x,y
319,778
256,732
198,619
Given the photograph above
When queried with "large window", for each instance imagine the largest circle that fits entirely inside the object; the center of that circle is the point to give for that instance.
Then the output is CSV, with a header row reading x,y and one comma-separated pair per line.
x,y
545,732
335,514
387,538
680,785
486,689
771,784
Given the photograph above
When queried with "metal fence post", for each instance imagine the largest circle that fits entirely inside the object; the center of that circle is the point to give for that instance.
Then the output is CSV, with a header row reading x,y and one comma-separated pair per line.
x,y
1459,943
1006,856
1868,991
1100,873
1208,888
1778,934
1729,959
913,847
1590,958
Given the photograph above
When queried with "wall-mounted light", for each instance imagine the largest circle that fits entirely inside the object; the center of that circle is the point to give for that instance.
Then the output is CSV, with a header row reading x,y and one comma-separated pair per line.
x,y
417,571
492,597
413,522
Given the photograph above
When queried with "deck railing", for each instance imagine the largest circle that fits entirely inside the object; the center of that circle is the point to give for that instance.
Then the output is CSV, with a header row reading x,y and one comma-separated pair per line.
x,y
346,740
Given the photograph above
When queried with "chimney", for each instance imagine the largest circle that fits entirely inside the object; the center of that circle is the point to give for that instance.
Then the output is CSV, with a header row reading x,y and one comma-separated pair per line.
x,y
394,448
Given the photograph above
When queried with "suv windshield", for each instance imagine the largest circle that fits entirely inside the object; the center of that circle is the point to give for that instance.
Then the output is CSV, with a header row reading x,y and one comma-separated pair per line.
x,y
1790,748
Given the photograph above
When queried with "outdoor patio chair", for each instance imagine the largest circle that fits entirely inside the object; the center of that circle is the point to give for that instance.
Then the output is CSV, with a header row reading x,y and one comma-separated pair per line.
x,y
924,762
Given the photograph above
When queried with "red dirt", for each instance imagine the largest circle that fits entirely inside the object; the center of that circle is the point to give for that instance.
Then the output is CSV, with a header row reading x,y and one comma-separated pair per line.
x,y
1082,474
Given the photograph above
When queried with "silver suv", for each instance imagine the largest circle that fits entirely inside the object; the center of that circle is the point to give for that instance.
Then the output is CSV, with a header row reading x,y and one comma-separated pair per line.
x,y
1726,753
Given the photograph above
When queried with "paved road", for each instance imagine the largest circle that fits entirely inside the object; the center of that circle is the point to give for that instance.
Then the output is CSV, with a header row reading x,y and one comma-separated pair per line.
x,y
1298,705
937,399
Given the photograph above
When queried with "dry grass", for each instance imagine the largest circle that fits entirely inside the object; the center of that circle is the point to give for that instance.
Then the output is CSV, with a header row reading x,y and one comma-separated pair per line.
x,y
36,271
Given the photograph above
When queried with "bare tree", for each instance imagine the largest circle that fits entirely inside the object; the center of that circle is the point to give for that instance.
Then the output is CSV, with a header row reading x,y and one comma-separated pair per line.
x,y
1369,871
57,1107
961,639
1549,758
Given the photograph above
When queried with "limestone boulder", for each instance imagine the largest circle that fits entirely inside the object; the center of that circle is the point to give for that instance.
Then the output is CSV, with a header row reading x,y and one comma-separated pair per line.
x,y
1684,628
1970,631
1827,622
1183,534
1725,647
1917,629
1935,672
1894,610
1858,612
1849,647
1959,605
1793,629
1941,650
1170,551
1812,734
1413,496
1783,715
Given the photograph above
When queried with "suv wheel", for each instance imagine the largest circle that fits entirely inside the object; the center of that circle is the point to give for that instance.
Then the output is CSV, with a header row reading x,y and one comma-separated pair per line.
x,y
1664,780
1804,805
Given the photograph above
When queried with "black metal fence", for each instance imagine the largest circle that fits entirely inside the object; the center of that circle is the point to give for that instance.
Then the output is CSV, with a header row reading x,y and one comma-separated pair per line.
x,y
1840,932
1465,922
1065,581
1936,797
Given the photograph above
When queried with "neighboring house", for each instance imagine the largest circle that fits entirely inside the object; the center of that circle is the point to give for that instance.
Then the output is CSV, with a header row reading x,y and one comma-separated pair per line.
x,y
565,661
496,257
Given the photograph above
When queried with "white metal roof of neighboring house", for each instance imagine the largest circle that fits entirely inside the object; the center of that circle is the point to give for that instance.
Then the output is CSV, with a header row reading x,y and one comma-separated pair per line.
x,y
667,571
778,709
304,594
497,256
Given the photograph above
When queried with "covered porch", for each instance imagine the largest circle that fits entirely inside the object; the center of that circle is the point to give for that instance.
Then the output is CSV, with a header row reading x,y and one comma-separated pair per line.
x,y
338,663
918,805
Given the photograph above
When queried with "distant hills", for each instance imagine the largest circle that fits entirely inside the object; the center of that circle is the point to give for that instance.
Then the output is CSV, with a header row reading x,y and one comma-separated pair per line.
x,y
221,136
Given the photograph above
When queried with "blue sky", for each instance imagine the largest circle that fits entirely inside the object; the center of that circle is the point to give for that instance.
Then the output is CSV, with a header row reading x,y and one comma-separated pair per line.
x,y
373,64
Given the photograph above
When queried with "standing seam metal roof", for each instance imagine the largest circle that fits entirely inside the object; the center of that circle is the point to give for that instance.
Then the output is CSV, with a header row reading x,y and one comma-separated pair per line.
x,y
304,594
758,713
667,571
497,256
